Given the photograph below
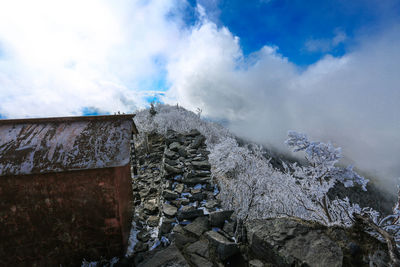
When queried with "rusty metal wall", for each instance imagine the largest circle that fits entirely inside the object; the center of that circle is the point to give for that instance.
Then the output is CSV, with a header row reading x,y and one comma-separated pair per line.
x,y
59,144
60,218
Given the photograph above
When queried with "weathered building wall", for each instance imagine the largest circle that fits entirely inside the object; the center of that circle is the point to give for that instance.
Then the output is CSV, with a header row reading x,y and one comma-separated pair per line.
x,y
60,218
63,144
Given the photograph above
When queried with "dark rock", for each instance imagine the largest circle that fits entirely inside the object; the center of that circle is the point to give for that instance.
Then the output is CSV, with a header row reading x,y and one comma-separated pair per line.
x,y
180,201
166,226
170,195
204,152
192,152
198,141
143,236
174,146
189,174
212,204
201,173
199,261
201,165
169,210
179,188
140,247
217,218
172,170
124,262
171,162
187,208
197,197
190,213
150,207
178,229
182,152
192,133
144,193
200,247
180,240
170,154
171,256
287,242
196,180
157,180
223,247
229,227
153,221
256,263
195,191
198,226
153,190
353,248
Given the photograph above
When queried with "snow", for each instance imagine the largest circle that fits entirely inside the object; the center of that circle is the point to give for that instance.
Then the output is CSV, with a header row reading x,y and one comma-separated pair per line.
x,y
250,185
132,240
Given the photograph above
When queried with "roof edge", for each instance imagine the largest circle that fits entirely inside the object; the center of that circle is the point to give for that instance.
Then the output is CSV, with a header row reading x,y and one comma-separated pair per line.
x,y
67,119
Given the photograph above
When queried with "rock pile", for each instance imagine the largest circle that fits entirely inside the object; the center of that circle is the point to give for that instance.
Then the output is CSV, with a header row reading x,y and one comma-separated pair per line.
x,y
176,206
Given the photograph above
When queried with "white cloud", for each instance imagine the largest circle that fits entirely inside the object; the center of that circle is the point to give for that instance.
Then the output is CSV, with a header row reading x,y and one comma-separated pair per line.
x,y
351,100
64,55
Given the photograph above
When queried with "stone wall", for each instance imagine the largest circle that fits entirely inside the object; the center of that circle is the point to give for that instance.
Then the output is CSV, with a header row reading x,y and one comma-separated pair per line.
x,y
177,217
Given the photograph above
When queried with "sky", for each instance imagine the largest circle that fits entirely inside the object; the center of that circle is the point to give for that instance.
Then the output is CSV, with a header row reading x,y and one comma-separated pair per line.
x,y
328,68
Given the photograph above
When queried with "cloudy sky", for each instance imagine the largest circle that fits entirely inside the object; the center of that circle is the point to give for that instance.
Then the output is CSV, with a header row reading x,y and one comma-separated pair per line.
x,y
329,68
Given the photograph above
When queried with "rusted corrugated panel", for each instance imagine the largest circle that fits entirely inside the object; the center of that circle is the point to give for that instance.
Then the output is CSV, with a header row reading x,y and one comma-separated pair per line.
x,y
60,144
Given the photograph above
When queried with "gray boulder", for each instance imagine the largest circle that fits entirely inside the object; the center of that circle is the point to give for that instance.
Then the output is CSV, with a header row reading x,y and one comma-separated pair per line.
x,y
223,247
169,210
291,242
188,213
198,141
171,154
174,146
166,226
172,170
171,256
170,195
200,247
199,261
196,180
201,165
198,226
218,218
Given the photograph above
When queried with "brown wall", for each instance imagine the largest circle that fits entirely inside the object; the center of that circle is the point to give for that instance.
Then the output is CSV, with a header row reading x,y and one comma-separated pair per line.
x,y
61,218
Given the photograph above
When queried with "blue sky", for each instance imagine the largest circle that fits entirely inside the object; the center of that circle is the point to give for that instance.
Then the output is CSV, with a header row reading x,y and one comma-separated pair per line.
x,y
328,68
292,24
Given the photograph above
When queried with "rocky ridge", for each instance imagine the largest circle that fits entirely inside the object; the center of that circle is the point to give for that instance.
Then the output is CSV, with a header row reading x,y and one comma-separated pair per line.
x,y
178,220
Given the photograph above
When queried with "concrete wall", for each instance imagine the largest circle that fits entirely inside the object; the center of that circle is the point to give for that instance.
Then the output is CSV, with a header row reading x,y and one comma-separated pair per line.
x,y
61,218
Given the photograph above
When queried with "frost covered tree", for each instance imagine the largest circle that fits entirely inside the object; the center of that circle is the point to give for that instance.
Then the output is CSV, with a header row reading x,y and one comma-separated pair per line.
x,y
386,229
320,174
254,188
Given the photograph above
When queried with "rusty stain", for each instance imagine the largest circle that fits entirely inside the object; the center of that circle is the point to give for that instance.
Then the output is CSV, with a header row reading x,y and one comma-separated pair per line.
x,y
65,189
53,219
29,146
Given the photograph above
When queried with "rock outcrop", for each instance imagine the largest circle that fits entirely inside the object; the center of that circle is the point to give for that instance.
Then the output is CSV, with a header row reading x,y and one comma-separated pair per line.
x,y
178,220
295,242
